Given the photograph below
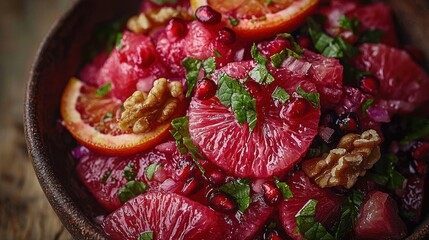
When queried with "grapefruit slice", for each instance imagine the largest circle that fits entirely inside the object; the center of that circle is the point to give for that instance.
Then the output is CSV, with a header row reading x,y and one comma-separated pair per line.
x,y
255,19
403,83
92,120
167,216
279,139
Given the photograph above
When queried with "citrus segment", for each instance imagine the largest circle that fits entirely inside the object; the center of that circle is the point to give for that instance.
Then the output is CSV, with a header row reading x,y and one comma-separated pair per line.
x,y
79,100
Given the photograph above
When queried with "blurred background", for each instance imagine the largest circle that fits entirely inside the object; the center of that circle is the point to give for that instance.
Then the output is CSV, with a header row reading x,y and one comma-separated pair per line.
x,y
24,211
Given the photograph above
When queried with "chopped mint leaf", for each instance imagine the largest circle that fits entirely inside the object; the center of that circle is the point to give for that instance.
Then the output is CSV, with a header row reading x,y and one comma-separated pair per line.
x,y
298,51
129,172
418,129
278,58
118,41
366,105
240,191
312,97
284,188
308,226
103,90
217,53
384,172
230,92
183,139
209,65
108,117
151,169
267,2
349,214
148,235
192,66
233,21
349,24
281,95
130,190
260,72
371,36
106,176
327,45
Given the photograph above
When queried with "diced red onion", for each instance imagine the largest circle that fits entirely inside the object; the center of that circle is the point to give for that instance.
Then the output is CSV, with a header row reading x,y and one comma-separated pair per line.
x,y
239,55
377,114
326,133
80,152
169,185
167,147
257,185
296,65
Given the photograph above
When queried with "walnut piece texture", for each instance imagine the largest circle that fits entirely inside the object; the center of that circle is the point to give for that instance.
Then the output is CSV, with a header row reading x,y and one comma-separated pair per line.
x,y
343,165
143,110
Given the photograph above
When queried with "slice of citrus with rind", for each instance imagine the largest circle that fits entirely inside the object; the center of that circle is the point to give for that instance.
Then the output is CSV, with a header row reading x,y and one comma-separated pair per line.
x,y
93,131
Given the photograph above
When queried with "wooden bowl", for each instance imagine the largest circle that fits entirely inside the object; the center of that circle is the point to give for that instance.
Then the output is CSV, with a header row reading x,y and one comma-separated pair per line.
x,y
49,145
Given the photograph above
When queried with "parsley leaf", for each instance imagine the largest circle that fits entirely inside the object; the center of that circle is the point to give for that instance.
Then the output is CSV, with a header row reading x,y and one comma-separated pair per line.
x,y
240,191
312,97
130,190
371,36
260,72
151,169
297,48
366,105
281,95
183,139
103,90
278,58
209,65
232,94
349,214
308,226
284,188
148,235
161,2
129,172
233,21
384,172
106,176
349,24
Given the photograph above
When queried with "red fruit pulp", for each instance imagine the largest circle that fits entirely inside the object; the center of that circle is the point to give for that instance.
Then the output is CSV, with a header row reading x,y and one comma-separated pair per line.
x,y
167,215
379,219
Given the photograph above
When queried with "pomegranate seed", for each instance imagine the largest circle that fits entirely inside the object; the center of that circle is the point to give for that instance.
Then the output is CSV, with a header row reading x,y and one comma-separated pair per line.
x,y
369,84
206,89
349,122
226,35
222,202
272,235
298,107
272,194
273,47
304,41
421,152
215,176
185,172
176,28
191,186
207,15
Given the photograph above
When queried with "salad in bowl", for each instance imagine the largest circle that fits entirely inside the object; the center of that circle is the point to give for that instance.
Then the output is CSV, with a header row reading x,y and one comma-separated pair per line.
x,y
209,119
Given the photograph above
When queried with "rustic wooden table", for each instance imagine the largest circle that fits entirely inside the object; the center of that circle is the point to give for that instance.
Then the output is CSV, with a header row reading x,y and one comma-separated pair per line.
x,y
24,211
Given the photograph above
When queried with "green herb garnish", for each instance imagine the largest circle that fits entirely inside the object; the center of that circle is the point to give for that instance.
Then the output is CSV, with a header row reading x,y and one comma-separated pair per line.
x,y
307,224
384,172
284,188
103,90
233,21
130,190
129,172
148,235
281,95
240,191
151,169
106,176
366,105
260,72
349,214
312,97
349,24
118,41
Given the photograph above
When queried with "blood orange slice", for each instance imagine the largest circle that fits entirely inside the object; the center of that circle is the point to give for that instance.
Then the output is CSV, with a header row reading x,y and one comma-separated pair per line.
x,y
166,216
403,83
255,19
92,120
279,139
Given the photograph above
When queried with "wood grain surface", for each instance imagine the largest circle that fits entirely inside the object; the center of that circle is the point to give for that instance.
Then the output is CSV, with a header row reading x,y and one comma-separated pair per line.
x,y
24,211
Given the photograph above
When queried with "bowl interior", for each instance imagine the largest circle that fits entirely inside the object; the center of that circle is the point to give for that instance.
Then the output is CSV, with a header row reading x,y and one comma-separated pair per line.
x,y
49,144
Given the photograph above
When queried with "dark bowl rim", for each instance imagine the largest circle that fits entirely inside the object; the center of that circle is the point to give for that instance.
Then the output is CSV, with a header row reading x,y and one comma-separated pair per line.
x,y
63,204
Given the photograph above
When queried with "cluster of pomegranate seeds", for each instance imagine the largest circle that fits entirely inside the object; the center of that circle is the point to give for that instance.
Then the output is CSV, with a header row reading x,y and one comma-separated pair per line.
x,y
253,114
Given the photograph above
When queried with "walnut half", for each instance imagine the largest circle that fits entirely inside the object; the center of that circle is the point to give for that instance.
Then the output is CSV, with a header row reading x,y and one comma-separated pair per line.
x,y
144,110
343,165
